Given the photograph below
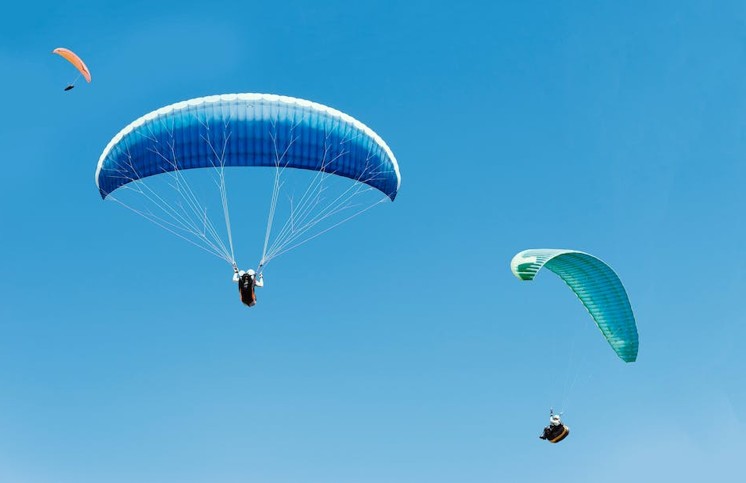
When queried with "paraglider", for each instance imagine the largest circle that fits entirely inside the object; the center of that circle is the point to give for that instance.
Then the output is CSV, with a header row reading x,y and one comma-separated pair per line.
x,y
597,286
154,166
556,431
599,289
77,62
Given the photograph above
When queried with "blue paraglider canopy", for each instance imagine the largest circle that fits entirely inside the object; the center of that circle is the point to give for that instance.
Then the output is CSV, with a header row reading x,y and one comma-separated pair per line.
x,y
245,130
147,162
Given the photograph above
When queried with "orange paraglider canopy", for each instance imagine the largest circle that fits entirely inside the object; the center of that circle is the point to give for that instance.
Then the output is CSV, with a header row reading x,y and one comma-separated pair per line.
x,y
71,57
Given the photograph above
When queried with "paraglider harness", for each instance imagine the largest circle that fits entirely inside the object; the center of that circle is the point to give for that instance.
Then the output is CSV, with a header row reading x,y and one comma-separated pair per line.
x,y
555,433
246,289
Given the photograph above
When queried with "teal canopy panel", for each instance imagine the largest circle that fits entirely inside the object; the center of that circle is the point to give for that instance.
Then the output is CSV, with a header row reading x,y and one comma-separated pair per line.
x,y
597,286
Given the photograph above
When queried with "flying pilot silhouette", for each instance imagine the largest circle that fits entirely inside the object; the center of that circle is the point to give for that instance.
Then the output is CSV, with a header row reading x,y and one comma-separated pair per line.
x,y
556,431
246,282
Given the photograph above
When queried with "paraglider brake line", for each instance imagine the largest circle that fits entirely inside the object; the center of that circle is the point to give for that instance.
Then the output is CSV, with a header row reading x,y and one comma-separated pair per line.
x,y
71,85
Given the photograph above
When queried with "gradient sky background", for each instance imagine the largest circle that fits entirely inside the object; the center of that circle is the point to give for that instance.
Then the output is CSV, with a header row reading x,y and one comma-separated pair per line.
x,y
399,347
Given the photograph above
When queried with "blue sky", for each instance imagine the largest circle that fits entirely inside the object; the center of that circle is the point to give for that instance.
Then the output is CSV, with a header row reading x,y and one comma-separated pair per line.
x,y
399,347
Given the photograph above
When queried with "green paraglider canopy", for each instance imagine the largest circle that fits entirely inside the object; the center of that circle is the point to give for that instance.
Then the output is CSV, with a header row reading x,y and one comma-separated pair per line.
x,y
597,286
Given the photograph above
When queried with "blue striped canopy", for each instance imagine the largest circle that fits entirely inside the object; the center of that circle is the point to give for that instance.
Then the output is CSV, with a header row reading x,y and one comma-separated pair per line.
x,y
248,130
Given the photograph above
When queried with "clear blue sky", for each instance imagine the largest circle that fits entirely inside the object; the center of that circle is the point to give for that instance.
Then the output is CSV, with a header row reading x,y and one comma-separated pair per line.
x,y
398,348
